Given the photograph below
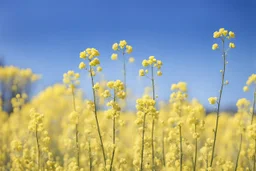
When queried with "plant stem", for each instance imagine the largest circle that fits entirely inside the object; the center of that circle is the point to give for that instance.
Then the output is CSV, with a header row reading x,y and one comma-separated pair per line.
x,y
181,152
253,107
219,101
38,150
77,132
195,151
163,149
153,120
96,117
90,155
254,158
238,155
114,137
142,142
124,68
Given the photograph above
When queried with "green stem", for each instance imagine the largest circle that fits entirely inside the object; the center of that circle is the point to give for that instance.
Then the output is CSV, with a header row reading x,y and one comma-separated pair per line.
x,y
38,150
77,132
153,120
195,151
219,101
253,107
181,152
124,68
113,138
96,117
254,157
163,149
90,155
142,143
238,155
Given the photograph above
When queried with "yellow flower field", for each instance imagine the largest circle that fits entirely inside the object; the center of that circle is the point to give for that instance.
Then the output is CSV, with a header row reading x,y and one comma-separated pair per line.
x,y
61,130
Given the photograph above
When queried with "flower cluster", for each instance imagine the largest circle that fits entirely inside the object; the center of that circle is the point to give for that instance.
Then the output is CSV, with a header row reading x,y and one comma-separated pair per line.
x,y
152,62
71,79
223,34
91,55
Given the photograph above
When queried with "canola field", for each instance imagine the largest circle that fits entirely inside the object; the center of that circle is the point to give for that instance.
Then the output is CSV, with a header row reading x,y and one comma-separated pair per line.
x,y
59,130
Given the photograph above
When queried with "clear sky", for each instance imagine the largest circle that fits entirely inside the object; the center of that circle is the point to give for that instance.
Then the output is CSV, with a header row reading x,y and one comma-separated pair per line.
x,y
48,36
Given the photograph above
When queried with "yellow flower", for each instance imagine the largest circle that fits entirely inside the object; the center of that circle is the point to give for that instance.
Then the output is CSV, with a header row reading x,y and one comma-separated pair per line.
x,y
131,59
212,100
246,88
232,45
145,63
96,86
215,46
122,44
182,86
159,73
225,33
83,55
174,87
99,69
115,46
231,34
221,30
114,56
82,65
142,72
128,49
77,75
216,34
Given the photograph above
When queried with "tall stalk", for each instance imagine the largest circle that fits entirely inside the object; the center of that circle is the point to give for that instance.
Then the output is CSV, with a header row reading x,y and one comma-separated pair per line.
x,y
163,149
142,142
114,137
239,151
77,132
181,152
124,68
90,156
254,103
253,109
96,117
38,150
195,152
219,100
153,120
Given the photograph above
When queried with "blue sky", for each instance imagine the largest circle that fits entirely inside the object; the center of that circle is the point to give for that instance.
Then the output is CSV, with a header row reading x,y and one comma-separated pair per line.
x,y
48,35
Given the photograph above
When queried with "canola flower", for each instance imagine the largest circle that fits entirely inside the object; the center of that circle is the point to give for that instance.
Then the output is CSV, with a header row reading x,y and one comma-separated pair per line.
x,y
123,48
56,129
71,79
152,63
223,35
91,55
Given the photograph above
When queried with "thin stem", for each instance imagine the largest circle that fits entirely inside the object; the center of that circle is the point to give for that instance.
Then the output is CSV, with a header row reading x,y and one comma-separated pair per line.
x,y
96,117
195,151
254,159
38,150
219,100
113,138
253,107
163,149
77,132
124,68
238,155
142,142
90,156
181,152
153,120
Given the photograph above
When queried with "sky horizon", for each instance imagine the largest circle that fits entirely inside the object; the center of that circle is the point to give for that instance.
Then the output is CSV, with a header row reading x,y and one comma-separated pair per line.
x,y
48,36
